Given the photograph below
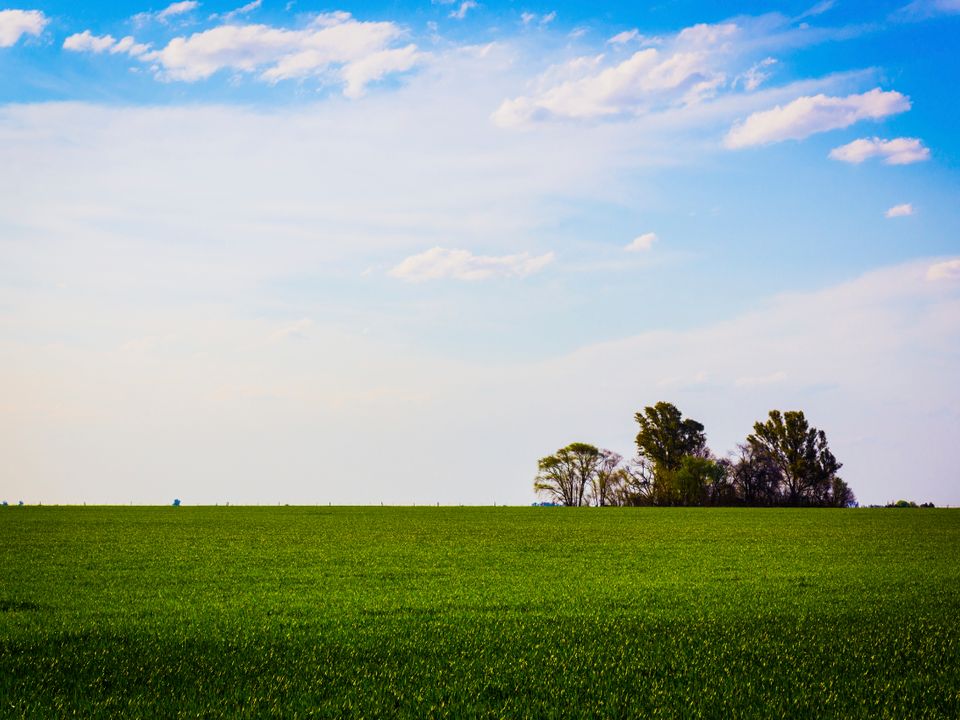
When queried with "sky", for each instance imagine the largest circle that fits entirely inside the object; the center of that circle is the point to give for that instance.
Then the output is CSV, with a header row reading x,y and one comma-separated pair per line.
x,y
288,252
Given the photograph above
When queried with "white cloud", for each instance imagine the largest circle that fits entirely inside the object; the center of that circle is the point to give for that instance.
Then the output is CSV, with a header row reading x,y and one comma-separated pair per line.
x,y
373,67
899,151
353,52
946,270
14,24
229,17
806,116
461,12
438,263
129,46
177,8
651,78
896,211
642,242
88,42
548,18
624,37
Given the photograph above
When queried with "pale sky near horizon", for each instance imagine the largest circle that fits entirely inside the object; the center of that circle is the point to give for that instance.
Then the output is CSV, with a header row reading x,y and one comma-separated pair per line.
x,y
396,251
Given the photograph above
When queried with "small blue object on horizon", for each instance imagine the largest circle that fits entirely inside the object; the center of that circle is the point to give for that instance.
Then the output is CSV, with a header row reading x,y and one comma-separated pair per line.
x,y
545,504
176,502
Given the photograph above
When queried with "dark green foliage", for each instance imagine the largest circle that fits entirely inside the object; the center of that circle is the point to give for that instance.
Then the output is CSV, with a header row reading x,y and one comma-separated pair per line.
x,y
799,452
698,481
665,441
479,613
666,437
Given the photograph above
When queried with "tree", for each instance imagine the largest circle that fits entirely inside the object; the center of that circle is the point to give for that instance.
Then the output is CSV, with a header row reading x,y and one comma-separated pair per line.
x,y
754,478
664,440
635,486
606,479
696,481
800,453
665,437
842,494
566,475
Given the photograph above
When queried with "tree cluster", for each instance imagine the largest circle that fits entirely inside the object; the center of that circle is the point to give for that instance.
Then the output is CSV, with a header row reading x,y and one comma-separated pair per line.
x,y
784,461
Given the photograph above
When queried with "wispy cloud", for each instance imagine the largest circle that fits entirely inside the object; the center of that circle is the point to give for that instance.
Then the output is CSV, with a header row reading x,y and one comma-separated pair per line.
x,y
438,263
819,9
530,18
899,151
922,9
624,37
904,210
229,17
461,12
174,10
755,75
177,8
14,24
807,116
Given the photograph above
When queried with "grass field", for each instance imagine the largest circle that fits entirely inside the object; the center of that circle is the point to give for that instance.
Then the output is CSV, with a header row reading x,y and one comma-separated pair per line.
x,y
479,612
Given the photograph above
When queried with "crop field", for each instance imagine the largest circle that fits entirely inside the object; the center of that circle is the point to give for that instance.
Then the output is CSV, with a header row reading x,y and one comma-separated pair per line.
x,y
479,612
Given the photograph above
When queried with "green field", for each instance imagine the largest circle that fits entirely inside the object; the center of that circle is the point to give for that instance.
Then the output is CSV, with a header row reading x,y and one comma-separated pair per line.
x,y
479,612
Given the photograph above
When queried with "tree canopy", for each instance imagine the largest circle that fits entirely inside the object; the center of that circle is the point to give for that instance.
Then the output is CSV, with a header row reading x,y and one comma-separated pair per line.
x,y
784,461
807,468
578,474
666,437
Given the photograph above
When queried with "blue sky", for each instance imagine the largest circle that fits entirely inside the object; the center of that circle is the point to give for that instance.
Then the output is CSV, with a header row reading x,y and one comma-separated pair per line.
x,y
398,251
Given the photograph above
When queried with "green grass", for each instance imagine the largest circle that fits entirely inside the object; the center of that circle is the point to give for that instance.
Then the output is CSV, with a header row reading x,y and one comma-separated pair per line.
x,y
479,612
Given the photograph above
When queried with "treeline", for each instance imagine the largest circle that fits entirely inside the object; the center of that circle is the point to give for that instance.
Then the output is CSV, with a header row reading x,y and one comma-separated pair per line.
x,y
783,462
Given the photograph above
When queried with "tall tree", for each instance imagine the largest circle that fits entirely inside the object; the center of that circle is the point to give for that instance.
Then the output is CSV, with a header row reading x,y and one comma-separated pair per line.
x,y
566,475
664,440
666,437
807,467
